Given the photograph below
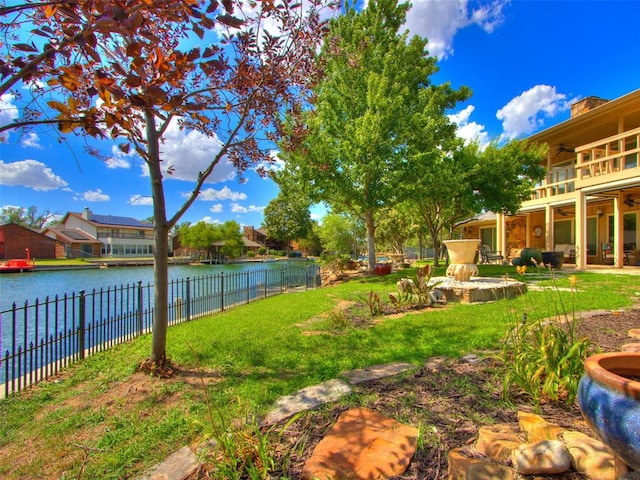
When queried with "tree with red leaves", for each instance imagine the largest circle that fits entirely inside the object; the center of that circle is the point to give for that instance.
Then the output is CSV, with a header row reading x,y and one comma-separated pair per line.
x,y
126,69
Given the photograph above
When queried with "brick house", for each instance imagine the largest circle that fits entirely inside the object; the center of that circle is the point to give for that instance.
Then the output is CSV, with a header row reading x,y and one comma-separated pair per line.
x,y
14,239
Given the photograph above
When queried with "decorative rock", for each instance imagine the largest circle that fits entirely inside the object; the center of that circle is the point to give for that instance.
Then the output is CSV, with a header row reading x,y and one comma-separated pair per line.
x,y
631,347
459,463
592,458
490,471
497,441
545,457
537,428
363,444
634,333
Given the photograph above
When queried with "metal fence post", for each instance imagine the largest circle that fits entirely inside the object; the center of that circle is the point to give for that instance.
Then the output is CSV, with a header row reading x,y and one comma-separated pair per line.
x,y
282,280
222,291
188,299
140,308
82,319
248,288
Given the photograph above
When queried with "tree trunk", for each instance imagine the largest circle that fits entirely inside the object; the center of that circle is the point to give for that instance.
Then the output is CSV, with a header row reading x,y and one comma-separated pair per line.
x,y
371,243
160,248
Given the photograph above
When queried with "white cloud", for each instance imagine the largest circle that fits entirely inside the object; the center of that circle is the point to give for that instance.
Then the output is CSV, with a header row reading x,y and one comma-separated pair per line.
x,y
140,200
30,140
216,208
208,219
237,208
30,174
8,113
187,153
525,113
93,196
469,131
119,159
225,193
440,20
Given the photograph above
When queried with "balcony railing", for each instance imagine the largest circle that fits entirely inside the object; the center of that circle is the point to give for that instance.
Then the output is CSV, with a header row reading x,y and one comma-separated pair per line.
x,y
610,159
128,235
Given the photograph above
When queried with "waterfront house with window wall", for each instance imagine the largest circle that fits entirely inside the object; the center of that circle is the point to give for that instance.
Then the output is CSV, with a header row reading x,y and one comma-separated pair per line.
x,y
118,236
588,206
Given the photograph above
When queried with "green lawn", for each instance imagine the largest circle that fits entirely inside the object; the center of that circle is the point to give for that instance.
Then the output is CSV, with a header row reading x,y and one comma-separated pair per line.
x,y
103,420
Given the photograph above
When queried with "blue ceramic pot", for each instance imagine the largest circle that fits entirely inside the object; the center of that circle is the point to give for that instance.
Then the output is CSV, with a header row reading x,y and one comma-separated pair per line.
x,y
609,398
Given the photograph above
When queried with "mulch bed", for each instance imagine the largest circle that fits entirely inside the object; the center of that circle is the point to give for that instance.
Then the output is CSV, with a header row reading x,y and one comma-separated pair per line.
x,y
450,401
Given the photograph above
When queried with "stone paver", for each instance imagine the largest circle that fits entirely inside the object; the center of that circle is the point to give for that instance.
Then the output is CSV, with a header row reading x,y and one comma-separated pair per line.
x,y
362,445
177,466
375,372
306,399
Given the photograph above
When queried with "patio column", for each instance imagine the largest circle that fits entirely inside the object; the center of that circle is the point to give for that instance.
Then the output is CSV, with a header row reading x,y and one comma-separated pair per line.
x,y
501,234
581,230
618,232
548,228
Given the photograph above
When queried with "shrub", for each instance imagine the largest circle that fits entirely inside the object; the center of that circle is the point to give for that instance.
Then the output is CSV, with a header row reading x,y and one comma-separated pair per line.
x,y
545,357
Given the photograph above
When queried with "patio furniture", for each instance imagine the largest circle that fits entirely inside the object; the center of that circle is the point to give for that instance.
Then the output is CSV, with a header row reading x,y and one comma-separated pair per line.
x,y
490,256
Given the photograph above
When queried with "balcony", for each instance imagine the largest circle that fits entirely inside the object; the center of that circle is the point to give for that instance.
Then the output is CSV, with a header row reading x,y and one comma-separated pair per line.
x,y
613,159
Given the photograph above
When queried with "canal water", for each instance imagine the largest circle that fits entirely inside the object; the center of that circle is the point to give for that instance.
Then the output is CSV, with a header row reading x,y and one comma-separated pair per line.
x,y
39,309
21,287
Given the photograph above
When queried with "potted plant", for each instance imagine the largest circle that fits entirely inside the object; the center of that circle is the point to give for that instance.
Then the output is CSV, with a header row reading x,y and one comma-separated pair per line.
x,y
609,398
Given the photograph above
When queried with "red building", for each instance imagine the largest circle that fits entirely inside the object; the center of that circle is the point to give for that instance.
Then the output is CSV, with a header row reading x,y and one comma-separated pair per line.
x,y
15,239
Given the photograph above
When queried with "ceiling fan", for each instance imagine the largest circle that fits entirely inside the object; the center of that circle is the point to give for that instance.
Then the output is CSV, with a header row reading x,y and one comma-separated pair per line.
x,y
562,149
630,202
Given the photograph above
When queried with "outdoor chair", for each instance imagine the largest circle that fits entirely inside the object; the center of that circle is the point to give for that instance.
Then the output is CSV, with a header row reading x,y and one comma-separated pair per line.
x,y
490,256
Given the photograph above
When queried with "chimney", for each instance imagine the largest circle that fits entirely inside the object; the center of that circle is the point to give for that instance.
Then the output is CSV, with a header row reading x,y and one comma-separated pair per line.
x,y
586,104
86,213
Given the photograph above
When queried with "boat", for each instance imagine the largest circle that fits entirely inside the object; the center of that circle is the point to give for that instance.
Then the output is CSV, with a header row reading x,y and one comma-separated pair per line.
x,y
18,264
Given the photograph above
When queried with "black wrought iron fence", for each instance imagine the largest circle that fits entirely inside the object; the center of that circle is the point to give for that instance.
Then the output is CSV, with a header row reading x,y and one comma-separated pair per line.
x,y
41,338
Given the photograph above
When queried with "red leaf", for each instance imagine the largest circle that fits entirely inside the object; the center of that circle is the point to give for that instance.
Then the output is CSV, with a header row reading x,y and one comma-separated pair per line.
x,y
25,47
230,21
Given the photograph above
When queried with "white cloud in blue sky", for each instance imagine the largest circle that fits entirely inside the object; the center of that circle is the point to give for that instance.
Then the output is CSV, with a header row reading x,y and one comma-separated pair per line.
x,y
30,173
439,21
525,113
93,196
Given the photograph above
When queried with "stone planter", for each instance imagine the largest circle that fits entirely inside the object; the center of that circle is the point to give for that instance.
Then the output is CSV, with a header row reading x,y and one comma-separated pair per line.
x,y
462,255
609,398
553,259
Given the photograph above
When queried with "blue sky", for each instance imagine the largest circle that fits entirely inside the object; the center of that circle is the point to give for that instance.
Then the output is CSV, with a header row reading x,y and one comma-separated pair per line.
x,y
525,61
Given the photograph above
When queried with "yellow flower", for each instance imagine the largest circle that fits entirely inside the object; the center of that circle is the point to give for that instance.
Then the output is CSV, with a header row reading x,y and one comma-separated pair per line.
x,y
521,269
573,280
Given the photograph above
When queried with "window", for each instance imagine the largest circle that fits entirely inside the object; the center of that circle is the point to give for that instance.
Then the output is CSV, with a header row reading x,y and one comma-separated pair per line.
x,y
592,236
629,230
563,232
488,237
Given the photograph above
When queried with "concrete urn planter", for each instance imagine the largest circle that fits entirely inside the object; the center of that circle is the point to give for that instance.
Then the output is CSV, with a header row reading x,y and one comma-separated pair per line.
x,y
609,398
462,255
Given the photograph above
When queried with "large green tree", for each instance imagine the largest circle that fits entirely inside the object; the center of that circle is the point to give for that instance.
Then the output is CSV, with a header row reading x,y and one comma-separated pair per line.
x,y
340,234
27,217
359,132
287,217
126,70
456,185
